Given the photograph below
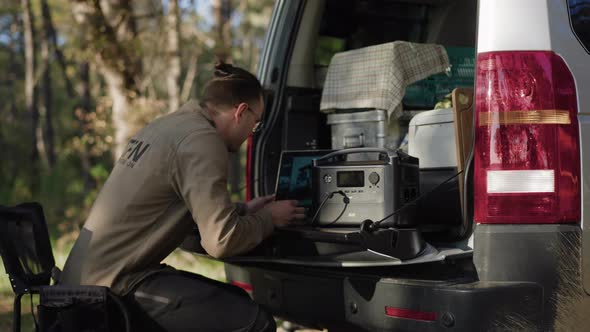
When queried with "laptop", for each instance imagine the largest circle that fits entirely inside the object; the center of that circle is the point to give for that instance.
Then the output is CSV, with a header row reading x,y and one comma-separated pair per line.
x,y
294,178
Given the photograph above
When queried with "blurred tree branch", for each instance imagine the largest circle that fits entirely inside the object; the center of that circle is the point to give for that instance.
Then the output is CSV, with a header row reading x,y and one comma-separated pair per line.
x,y
46,105
100,79
173,77
51,35
31,88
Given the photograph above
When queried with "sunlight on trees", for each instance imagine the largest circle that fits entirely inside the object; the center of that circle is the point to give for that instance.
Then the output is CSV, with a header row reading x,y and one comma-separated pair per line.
x,y
80,77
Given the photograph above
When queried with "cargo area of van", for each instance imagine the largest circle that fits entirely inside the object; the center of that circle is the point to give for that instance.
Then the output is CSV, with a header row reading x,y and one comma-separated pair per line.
x,y
304,117
331,69
422,124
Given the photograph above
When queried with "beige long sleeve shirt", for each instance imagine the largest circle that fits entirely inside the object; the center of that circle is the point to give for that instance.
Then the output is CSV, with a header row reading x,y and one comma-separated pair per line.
x,y
172,174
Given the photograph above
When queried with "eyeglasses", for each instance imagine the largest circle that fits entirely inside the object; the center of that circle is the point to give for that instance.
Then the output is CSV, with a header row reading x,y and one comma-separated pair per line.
x,y
258,124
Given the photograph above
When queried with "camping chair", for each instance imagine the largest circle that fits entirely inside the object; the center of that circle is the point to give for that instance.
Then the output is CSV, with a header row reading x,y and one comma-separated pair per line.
x,y
28,259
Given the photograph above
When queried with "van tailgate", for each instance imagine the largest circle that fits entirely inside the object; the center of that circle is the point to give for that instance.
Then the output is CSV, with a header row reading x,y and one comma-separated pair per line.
x,y
331,248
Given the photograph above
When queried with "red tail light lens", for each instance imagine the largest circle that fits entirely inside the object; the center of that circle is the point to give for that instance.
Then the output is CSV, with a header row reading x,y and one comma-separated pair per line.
x,y
243,285
410,314
527,155
249,170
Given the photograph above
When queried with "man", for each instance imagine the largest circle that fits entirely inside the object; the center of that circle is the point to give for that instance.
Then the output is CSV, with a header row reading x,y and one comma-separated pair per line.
x,y
172,175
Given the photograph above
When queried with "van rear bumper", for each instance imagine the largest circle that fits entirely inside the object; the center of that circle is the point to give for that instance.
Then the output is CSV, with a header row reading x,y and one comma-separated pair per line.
x,y
351,301
548,255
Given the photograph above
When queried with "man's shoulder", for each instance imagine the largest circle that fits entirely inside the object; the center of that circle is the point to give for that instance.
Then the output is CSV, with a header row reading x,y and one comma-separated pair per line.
x,y
188,120
202,142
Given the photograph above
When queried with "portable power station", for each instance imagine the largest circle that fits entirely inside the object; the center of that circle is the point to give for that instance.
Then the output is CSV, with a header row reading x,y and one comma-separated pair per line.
x,y
348,192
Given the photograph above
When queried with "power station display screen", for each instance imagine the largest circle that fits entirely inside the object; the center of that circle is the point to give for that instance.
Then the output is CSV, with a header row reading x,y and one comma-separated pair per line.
x,y
350,179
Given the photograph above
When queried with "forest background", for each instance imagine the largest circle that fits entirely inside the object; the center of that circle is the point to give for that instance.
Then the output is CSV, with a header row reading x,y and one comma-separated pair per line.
x,y
79,77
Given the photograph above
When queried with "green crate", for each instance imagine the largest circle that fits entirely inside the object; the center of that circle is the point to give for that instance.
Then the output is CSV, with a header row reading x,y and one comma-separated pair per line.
x,y
426,93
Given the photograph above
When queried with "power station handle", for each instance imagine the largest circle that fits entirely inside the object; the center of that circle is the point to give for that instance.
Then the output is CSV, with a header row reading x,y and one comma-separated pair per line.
x,y
344,152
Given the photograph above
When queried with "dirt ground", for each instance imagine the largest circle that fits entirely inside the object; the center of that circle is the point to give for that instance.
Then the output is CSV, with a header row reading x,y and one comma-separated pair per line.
x,y
6,302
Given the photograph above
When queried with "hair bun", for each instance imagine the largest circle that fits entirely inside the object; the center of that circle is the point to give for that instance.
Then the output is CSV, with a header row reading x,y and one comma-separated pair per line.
x,y
222,69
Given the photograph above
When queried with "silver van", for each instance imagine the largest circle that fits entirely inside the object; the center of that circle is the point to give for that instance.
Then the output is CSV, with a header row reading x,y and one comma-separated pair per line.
x,y
511,246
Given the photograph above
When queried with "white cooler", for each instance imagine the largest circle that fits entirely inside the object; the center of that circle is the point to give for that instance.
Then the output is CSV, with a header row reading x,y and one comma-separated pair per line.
x,y
431,138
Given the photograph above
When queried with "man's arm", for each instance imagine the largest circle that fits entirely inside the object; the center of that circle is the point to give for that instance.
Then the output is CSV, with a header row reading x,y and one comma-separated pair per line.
x,y
199,176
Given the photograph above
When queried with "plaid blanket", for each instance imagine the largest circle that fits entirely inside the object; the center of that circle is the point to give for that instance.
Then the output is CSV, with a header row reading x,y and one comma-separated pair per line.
x,y
376,77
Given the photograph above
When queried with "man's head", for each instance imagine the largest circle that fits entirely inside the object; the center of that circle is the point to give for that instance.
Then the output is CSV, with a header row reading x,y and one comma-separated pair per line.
x,y
234,99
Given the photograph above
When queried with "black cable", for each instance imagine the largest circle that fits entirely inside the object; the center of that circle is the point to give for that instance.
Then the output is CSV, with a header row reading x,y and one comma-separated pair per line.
x,y
345,200
466,221
377,223
319,208
33,313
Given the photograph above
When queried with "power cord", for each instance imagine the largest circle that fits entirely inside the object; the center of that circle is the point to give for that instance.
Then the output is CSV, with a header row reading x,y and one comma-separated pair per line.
x,y
376,224
345,200
33,313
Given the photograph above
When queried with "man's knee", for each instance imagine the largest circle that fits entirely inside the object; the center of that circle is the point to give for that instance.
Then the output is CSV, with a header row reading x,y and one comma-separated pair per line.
x,y
264,322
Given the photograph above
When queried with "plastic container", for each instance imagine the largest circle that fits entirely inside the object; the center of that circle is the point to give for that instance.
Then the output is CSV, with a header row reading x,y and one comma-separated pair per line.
x,y
425,93
431,138
358,129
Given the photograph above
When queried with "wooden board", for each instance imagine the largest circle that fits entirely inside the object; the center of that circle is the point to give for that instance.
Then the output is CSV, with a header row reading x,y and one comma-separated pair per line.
x,y
463,116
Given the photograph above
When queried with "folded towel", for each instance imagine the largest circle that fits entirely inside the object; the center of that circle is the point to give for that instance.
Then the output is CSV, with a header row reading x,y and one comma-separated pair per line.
x,y
376,77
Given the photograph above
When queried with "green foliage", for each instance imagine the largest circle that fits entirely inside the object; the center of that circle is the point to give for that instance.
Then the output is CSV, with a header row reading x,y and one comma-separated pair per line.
x,y
84,135
99,172
83,129
327,47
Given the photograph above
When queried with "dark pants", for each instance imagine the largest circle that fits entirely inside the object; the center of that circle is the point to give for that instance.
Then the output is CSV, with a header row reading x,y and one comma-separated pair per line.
x,y
182,301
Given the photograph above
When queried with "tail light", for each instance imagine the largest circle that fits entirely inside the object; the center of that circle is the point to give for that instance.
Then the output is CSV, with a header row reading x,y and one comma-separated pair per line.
x,y
245,286
249,170
527,153
410,314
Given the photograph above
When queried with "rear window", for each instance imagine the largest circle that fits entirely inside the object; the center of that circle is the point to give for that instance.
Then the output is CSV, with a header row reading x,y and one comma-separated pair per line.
x,y
580,16
348,25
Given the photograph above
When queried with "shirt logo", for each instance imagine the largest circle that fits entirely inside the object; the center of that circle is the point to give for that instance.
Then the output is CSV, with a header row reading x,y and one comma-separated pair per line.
x,y
135,149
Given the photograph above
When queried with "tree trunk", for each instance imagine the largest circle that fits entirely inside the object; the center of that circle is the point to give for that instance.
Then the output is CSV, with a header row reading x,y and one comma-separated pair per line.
x,y
16,47
218,28
222,10
84,107
121,105
246,35
191,72
119,29
14,50
112,37
172,79
31,90
222,14
46,109
51,37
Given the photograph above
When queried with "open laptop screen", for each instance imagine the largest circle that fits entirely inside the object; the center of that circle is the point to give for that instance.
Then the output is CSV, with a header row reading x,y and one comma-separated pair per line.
x,y
295,175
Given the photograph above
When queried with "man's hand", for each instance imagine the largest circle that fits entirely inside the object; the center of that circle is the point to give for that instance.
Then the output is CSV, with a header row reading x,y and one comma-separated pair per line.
x,y
285,213
258,203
